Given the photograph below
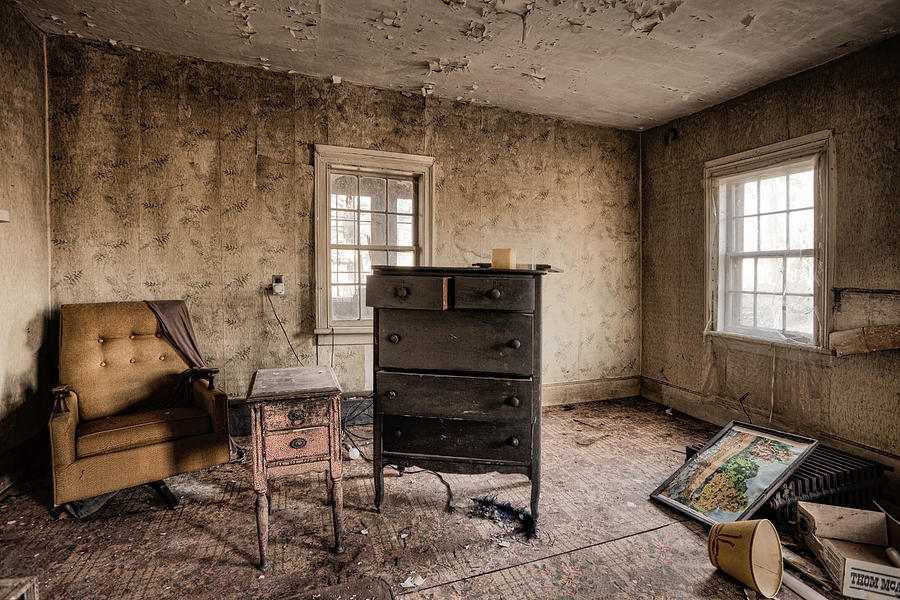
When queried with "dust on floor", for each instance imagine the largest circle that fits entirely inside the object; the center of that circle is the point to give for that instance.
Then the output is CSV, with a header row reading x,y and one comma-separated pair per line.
x,y
599,536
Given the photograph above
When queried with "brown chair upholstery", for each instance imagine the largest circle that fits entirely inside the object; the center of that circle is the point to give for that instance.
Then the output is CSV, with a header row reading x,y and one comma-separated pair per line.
x,y
118,425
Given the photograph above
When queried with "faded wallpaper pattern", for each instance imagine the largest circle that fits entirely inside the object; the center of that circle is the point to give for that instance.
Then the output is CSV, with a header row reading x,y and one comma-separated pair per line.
x,y
175,178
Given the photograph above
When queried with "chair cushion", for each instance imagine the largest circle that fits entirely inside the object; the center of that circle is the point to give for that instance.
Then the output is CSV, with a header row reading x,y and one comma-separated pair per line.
x,y
132,430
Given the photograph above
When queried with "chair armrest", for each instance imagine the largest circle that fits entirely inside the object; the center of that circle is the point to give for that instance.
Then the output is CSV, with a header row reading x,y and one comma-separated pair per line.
x,y
213,401
63,423
207,373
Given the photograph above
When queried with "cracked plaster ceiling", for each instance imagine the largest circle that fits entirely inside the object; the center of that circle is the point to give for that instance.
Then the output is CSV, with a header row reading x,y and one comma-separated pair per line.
x,y
630,64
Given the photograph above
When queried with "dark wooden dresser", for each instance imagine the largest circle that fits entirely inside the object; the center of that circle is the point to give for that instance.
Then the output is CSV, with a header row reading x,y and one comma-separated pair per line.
x,y
457,371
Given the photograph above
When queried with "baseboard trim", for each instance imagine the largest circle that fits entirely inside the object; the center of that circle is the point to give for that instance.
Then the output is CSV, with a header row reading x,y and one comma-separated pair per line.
x,y
574,392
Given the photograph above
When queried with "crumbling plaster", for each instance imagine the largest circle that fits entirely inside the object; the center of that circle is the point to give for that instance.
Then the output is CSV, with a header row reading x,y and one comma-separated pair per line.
x,y
178,178
624,63
852,401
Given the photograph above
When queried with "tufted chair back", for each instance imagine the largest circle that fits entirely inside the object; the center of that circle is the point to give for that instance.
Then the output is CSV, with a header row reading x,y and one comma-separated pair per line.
x,y
114,356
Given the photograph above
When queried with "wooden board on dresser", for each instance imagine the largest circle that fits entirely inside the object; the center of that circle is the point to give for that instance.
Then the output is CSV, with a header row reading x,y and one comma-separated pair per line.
x,y
457,366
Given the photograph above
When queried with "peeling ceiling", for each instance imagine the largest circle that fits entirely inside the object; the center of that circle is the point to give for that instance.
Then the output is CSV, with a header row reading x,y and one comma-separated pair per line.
x,y
630,64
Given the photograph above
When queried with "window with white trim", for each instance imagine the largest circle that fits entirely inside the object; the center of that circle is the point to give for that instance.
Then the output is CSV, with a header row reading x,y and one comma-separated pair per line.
x,y
372,208
768,241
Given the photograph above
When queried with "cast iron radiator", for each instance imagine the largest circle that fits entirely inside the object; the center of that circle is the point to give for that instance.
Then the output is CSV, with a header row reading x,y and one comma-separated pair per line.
x,y
827,476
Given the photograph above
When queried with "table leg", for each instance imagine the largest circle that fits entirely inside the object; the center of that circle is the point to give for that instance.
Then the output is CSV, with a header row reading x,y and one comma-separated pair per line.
x,y
262,526
379,482
337,513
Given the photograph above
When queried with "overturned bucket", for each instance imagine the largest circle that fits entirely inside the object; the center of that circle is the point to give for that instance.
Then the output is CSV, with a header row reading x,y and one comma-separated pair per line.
x,y
749,551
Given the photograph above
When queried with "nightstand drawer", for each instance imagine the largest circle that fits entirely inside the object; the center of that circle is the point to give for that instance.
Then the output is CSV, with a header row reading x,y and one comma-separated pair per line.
x,y
291,414
451,437
494,293
394,291
453,396
298,443
473,341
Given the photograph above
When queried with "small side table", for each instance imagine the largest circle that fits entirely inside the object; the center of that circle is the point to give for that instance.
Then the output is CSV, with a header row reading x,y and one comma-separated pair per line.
x,y
295,415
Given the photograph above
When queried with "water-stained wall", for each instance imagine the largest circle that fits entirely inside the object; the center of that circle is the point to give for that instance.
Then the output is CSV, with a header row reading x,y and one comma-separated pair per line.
x,y
175,178
24,255
852,401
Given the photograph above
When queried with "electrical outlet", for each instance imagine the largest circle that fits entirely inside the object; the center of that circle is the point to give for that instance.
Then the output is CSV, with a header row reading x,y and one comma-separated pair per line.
x,y
278,285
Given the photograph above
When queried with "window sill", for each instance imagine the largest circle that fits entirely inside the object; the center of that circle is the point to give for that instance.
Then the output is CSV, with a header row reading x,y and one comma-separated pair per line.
x,y
351,337
758,344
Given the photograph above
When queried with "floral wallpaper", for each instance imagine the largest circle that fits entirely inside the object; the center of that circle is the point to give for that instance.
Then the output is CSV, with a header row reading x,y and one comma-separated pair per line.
x,y
176,178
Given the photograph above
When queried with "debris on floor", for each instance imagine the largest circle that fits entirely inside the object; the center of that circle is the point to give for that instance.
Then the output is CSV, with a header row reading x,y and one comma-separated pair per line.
x,y
413,581
487,507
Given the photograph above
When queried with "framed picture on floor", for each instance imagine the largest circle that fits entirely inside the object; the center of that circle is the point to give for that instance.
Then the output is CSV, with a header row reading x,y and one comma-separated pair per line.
x,y
734,473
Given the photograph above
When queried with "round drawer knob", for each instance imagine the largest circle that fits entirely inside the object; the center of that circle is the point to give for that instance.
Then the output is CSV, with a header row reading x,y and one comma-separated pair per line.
x,y
392,394
514,402
296,417
398,434
298,443
514,442
495,294
515,344
402,292
394,338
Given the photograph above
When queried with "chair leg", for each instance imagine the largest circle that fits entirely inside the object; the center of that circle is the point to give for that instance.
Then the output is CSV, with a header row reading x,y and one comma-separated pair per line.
x,y
165,493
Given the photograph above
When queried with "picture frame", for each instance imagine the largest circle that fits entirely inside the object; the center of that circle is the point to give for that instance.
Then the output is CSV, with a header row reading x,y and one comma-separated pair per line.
x,y
734,473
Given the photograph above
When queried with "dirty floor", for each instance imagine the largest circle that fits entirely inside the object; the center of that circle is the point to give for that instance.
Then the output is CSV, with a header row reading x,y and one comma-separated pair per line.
x,y
599,536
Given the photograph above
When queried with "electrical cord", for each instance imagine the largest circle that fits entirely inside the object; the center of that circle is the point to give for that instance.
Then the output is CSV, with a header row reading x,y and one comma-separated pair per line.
x,y
283,330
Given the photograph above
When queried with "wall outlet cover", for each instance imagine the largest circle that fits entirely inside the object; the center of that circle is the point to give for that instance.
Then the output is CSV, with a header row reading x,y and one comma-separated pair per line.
x,y
278,285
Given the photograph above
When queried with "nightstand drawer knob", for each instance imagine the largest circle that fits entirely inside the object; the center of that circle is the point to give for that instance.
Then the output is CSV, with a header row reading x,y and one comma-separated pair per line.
x,y
398,434
514,402
394,338
298,443
401,292
296,417
515,344
514,442
495,294
392,394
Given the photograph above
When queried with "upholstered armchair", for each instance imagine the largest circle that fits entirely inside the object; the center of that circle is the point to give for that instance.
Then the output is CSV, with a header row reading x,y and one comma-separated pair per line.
x,y
118,421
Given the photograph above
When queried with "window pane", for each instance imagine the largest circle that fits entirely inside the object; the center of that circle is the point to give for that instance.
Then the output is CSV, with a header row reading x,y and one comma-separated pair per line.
x,y
746,204
745,313
345,302
371,257
343,266
372,229
772,192
768,311
801,185
748,273
770,275
801,229
400,196
400,230
343,227
371,193
401,259
799,275
798,314
746,234
368,312
343,191
772,232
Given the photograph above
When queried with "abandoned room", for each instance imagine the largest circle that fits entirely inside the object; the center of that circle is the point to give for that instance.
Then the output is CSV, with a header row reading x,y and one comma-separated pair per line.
x,y
449,299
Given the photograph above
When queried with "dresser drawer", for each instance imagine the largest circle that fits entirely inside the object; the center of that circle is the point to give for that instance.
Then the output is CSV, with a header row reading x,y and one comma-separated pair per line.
x,y
453,396
452,437
290,414
298,443
395,291
456,341
494,293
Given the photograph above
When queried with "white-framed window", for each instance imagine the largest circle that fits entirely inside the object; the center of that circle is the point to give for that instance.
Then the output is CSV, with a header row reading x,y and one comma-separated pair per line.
x,y
769,241
372,208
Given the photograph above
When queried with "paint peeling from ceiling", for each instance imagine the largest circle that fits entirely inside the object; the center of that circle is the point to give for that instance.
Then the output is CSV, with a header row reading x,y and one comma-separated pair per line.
x,y
623,63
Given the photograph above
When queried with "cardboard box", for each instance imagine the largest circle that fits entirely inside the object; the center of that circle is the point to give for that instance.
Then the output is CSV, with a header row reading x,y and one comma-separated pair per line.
x,y
851,544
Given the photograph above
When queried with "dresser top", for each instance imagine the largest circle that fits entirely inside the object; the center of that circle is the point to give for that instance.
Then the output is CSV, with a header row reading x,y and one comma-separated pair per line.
x,y
292,382
385,270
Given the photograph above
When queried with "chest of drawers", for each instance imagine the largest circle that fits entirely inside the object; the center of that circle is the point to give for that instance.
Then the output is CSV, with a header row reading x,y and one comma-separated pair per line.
x,y
457,371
